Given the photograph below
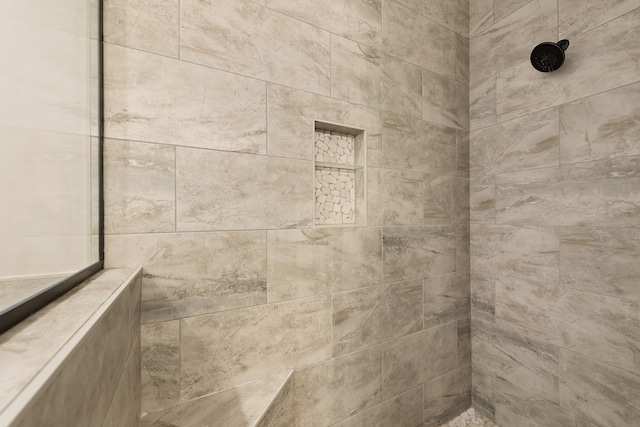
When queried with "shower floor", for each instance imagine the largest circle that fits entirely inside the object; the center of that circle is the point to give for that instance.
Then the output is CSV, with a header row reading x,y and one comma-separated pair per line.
x,y
470,418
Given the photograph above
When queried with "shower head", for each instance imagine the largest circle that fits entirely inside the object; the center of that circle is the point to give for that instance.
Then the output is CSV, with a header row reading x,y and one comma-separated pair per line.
x,y
547,56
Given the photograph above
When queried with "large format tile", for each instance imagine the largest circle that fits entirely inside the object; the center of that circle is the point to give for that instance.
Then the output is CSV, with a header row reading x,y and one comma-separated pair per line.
x,y
401,90
504,8
602,126
149,25
189,274
338,388
418,251
592,66
223,35
446,299
278,195
445,101
394,197
222,350
512,411
125,405
463,140
603,394
160,361
446,200
484,360
453,14
482,199
509,40
601,260
313,262
480,16
404,410
522,252
483,296
417,145
356,72
419,40
529,142
291,115
357,20
578,16
375,314
482,103
415,359
152,98
139,194
447,396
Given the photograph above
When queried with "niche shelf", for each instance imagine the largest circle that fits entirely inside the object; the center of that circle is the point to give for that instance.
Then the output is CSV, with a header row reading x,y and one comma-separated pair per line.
x,y
339,175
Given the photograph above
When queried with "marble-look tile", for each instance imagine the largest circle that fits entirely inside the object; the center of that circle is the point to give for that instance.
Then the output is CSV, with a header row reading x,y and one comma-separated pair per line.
x,y
577,16
605,328
446,299
601,260
445,101
285,416
405,410
482,199
603,394
149,25
417,145
447,396
418,251
453,14
394,197
464,342
602,126
356,72
401,90
415,359
281,403
484,359
463,249
278,197
504,8
463,141
338,388
375,314
529,142
446,200
462,60
124,409
357,20
160,348
480,16
152,98
522,252
591,67
508,41
312,262
483,296
139,187
417,39
225,35
512,411
482,103
291,115
222,350
412,4
188,274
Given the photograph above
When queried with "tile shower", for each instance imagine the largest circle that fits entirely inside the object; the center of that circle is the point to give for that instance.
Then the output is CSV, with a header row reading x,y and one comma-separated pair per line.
x,y
498,212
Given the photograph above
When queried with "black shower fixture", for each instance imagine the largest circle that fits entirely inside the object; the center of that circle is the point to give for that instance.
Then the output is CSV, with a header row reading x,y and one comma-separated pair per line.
x,y
548,56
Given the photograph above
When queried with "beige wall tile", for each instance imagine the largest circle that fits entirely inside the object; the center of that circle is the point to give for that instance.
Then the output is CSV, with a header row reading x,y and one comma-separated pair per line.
x,y
464,342
373,315
417,145
223,35
446,299
338,388
394,197
404,410
149,25
578,16
532,413
356,72
529,142
463,141
215,354
156,99
160,365
483,296
313,262
602,126
453,14
591,67
484,360
480,16
463,256
418,251
419,40
447,396
508,41
445,101
462,60
281,197
482,103
503,8
291,115
522,252
403,369
125,406
446,200
357,20
139,186
483,199
401,87
189,274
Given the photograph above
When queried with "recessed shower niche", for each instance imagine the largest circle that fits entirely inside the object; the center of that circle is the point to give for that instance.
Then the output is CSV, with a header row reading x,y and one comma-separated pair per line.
x,y
339,175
